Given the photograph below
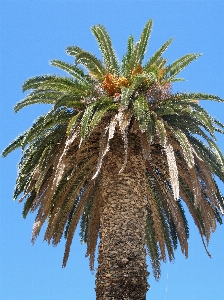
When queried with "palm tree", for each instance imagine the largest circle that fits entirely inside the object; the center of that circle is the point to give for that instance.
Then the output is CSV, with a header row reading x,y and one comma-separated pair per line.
x,y
119,152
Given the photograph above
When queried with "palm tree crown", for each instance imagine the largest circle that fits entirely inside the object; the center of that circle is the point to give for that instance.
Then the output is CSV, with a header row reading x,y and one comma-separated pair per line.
x,y
63,151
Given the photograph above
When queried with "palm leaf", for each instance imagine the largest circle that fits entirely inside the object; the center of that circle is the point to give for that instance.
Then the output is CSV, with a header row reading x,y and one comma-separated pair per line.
x,y
86,120
72,70
210,157
127,56
92,64
73,121
88,60
74,50
47,121
140,47
186,147
100,112
173,171
152,246
28,204
49,82
145,117
193,96
157,55
136,53
177,66
44,97
105,45
14,144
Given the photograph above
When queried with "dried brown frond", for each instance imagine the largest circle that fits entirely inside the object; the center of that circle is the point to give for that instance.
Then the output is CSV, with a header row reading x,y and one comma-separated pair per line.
x,y
44,192
72,228
155,214
94,223
173,171
124,118
172,207
65,200
185,194
206,177
187,171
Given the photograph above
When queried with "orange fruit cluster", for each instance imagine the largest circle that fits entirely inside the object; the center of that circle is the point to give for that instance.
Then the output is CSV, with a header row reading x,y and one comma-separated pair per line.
x,y
112,85
137,70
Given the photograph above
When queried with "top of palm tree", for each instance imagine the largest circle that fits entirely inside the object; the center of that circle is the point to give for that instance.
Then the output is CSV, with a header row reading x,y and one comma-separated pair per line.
x,y
63,151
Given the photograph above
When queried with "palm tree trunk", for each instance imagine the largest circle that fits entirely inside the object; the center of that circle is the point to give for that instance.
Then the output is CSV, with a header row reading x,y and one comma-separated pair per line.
x,y
122,270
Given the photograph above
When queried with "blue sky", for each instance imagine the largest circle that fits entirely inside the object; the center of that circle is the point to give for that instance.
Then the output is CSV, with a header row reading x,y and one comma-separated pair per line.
x,y
33,33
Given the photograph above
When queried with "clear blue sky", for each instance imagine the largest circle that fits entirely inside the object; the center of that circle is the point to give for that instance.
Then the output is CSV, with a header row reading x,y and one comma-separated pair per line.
x,y
33,33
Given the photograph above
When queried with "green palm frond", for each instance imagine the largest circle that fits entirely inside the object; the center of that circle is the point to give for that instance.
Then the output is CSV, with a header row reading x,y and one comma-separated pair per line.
x,y
219,124
49,82
74,50
157,56
143,42
52,90
28,204
94,113
145,117
70,101
14,144
101,110
51,140
140,47
86,119
135,54
84,222
47,121
109,55
45,97
161,131
72,122
72,70
187,111
177,66
186,147
212,158
88,60
92,64
193,96
126,58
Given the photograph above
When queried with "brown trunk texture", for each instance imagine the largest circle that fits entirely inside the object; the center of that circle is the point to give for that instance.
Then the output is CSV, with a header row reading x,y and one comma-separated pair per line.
x,y
122,270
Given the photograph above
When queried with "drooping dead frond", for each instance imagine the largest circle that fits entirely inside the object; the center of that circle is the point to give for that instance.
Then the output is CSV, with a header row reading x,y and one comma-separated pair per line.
x,y
172,170
104,143
61,165
207,181
186,148
155,214
187,196
94,222
124,118
72,228
186,167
